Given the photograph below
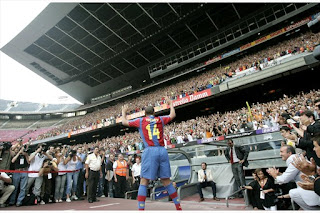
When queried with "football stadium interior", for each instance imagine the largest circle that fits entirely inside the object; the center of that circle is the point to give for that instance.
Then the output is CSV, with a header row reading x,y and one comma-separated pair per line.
x,y
231,70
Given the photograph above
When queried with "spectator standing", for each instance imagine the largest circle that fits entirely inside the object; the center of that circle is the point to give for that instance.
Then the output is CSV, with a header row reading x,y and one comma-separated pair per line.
x,y
46,172
121,174
254,192
80,167
72,177
101,185
267,194
93,173
136,170
36,161
130,177
20,162
237,156
62,176
109,175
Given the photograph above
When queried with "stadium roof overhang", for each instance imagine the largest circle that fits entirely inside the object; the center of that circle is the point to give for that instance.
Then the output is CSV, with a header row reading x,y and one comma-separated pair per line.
x,y
90,49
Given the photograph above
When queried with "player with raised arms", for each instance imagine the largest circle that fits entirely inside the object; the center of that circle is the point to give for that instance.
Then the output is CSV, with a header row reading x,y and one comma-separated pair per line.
x,y
155,159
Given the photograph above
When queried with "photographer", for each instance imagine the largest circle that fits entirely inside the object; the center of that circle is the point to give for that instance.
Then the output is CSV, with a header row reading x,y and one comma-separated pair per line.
x,y
5,191
46,172
36,161
20,162
71,162
6,154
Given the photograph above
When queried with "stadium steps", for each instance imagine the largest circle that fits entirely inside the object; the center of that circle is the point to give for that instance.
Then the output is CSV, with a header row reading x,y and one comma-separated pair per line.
x,y
56,124
39,108
29,127
7,109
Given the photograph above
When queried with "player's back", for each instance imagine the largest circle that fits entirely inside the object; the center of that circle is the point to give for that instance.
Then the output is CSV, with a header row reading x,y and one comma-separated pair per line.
x,y
152,129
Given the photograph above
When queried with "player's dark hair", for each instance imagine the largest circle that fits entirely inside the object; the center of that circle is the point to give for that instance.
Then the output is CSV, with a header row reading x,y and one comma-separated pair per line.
x,y
149,110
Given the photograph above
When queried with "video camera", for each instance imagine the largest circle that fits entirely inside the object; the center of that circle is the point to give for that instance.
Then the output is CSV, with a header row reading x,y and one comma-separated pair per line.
x,y
73,153
44,149
5,145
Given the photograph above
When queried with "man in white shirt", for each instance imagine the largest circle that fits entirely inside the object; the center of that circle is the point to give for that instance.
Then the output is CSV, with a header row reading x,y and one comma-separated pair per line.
x,y
180,138
190,138
5,191
205,179
93,173
136,170
36,160
307,200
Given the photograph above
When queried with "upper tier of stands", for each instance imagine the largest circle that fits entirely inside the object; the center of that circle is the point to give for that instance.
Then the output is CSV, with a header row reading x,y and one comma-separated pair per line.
x,y
290,47
14,106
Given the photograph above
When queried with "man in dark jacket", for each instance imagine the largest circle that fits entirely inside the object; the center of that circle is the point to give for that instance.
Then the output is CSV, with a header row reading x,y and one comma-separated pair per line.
x,y
237,156
310,127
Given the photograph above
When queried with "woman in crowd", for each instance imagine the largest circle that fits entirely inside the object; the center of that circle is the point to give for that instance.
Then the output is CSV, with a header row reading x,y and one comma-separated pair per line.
x,y
72,177
254,192
266,186
62,176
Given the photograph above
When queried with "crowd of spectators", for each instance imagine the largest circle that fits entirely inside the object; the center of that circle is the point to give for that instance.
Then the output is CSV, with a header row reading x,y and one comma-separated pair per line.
x,y
303,43
53,184
264,115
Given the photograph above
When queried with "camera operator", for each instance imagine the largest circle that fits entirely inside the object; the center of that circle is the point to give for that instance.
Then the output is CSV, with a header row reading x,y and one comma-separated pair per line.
x,y
6,154
51,151
71,162
46,172
5,190
20,162
36,160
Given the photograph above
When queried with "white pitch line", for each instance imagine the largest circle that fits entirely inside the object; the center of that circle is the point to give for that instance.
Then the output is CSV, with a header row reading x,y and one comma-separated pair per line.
x,y
110,204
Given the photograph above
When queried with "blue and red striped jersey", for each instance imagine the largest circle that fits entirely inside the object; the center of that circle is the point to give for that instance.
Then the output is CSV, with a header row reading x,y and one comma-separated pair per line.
x,y
151,129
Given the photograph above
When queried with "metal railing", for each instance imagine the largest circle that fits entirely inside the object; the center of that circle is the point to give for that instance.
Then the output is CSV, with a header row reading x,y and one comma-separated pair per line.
x,y
236,192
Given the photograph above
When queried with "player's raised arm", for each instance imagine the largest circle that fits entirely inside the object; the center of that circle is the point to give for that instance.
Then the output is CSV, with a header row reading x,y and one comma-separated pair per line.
x,y
125,122
172,110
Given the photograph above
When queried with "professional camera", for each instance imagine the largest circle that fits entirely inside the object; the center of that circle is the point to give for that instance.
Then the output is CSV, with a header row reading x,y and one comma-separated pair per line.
x,y
44,149
73,153
5,145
